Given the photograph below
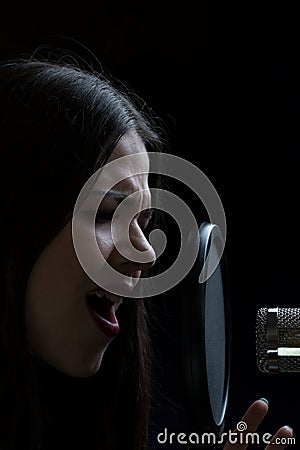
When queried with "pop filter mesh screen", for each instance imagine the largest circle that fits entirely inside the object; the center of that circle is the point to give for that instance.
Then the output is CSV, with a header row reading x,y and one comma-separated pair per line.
x,y
215,342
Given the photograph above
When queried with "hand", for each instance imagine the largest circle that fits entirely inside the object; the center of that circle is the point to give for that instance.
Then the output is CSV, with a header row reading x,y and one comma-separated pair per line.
x,y
253,417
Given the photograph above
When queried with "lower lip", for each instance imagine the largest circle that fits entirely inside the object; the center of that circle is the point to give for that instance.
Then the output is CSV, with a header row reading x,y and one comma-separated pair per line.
x,y
136,274
108,328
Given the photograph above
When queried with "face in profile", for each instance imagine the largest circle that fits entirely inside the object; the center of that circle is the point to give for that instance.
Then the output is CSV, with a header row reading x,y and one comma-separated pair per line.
x,y
70,320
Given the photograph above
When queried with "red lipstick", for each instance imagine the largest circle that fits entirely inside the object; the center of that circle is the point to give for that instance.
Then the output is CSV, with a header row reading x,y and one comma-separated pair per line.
x,y
103,313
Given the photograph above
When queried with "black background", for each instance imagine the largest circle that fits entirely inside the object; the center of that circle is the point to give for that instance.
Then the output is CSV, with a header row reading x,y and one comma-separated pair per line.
x,y
225,80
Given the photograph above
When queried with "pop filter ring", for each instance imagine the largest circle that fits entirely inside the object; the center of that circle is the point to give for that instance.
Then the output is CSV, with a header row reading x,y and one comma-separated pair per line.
x,y
194,296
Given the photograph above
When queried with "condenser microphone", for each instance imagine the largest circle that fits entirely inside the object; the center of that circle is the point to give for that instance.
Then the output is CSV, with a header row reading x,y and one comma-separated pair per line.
x,y
278,340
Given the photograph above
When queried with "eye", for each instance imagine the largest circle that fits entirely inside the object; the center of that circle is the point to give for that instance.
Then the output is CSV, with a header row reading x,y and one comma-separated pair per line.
x,y
104,215
145,219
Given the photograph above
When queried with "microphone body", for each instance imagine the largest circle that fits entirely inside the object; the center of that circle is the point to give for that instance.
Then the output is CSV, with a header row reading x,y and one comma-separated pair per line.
x,y
278,340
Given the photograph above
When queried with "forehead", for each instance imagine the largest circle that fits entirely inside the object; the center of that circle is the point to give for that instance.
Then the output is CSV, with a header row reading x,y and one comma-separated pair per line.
x,y
125,172
129,144
131,163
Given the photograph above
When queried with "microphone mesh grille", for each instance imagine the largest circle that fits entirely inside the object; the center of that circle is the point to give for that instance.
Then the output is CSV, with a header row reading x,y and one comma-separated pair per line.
x,y
288,335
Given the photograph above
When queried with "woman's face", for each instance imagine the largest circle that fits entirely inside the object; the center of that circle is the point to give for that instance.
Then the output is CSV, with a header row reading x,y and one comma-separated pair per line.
x,y
67,326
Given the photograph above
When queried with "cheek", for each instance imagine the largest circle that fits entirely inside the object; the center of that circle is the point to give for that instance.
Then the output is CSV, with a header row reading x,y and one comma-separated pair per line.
x,y
104,240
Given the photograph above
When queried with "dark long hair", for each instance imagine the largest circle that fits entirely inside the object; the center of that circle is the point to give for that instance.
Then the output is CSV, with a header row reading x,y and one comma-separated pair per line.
x,y
58,124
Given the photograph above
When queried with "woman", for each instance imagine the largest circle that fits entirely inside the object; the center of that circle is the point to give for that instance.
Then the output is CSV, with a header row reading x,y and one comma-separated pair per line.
x,y
69,378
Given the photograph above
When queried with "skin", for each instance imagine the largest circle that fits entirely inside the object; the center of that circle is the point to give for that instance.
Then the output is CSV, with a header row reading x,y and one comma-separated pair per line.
x,y
59,326
253,417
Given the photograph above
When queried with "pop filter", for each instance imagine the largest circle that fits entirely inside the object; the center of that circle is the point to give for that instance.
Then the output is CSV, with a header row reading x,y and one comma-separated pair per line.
x,y
206,336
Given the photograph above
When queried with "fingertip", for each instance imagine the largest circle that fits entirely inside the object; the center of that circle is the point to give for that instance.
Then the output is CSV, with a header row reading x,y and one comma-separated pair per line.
x,y
264,400
262,404
259,408
287,429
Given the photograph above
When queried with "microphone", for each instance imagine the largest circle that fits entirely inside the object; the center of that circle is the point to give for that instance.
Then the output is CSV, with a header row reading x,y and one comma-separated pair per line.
x,y
278,340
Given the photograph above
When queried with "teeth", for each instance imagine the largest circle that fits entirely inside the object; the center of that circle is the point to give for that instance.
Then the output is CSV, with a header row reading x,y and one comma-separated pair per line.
x,y
114,298
98,294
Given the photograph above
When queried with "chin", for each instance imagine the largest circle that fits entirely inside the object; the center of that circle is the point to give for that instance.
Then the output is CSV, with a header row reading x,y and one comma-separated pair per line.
x,y
86,370
79,369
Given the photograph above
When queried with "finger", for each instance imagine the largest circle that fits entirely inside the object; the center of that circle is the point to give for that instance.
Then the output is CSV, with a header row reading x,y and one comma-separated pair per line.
x,y
255,414
281,439
249,423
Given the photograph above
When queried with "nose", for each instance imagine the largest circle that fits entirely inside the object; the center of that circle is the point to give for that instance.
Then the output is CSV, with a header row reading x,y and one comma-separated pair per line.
x,y
142,244
133,255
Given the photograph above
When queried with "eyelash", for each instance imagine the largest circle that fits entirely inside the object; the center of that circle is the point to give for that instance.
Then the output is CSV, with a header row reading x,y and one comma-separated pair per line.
x,y
104,216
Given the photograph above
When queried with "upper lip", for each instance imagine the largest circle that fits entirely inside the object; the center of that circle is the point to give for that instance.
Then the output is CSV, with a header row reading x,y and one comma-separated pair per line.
x,y
116,300
124,289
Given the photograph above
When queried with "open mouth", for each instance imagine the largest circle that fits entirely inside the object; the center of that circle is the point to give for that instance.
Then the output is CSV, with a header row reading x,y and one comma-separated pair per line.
x,y
102,307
